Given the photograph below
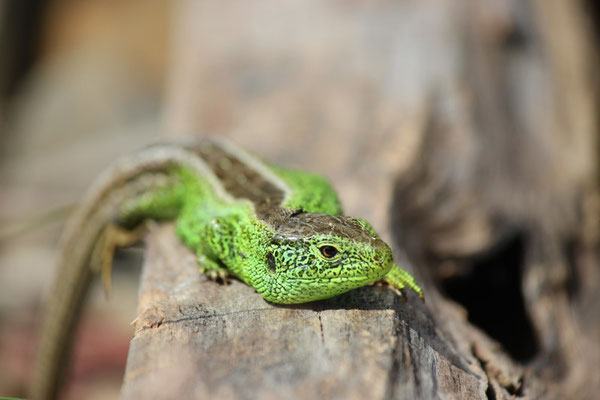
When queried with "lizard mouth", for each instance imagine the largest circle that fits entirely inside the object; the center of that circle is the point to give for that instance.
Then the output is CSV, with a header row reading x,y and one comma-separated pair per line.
x,y
340,272
333,279
358,280
303,290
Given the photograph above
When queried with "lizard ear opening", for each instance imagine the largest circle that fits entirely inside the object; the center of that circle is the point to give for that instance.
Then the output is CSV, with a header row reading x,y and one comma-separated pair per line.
x,y
271,263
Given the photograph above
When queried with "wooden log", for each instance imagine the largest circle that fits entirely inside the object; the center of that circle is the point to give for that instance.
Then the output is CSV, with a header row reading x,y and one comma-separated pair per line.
x,y
496,189
196,338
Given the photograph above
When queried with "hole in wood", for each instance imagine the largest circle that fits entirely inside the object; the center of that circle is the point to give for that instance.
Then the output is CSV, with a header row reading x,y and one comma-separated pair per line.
x,y
490,290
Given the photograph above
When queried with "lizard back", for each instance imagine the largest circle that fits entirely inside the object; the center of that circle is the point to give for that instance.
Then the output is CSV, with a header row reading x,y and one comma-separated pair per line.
x,y
242,176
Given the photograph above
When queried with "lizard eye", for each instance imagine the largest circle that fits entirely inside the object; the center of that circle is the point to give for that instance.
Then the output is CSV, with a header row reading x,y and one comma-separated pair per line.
x,y
328,251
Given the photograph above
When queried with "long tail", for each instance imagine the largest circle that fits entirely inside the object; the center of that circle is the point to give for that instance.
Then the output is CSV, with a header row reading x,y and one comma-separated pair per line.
x,y
147,170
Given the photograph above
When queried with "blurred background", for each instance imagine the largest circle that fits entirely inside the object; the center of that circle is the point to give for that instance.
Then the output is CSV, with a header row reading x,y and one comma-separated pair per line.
x,y
464,130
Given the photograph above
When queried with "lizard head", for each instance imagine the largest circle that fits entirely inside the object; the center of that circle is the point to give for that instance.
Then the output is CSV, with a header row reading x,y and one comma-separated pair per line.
x,y
317,256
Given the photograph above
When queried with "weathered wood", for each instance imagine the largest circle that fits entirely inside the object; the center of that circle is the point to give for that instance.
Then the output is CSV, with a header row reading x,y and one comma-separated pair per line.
x,y
200,339
491,134
501,205
196,338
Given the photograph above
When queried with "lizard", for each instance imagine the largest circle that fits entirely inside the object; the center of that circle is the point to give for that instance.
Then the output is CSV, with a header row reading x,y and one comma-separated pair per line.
x,y
279,230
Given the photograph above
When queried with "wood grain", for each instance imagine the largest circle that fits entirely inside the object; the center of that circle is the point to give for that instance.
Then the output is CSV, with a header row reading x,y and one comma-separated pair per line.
x,y
196,338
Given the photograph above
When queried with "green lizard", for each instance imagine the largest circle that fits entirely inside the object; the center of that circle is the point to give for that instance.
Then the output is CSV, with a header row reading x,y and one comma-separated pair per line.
x,y
280,231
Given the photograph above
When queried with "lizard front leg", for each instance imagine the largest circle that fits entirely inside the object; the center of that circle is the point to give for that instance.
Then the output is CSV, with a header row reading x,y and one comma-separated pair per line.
x,y
400,279
212,238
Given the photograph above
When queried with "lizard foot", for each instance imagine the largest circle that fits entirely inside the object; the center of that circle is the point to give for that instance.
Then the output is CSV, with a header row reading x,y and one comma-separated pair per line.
x,y
214,270
220,275
111,238
401,280
400,292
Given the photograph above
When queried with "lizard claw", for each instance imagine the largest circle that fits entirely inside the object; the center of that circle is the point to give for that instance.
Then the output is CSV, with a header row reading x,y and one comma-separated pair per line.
x,y
217,274
399,292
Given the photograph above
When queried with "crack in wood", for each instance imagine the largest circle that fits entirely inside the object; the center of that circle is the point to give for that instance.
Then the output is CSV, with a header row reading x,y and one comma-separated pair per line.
x,y
321,328
157,324
517,390
490,393
390,390
402,354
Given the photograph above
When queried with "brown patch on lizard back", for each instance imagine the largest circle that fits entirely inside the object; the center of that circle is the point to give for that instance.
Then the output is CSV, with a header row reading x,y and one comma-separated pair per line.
x,y
242,181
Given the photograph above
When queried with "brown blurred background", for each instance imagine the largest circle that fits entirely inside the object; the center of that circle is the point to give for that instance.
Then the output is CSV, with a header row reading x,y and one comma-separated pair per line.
x,y
466,124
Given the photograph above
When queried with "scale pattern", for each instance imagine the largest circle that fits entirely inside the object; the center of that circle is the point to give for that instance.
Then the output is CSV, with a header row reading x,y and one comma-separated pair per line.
x,y
278,230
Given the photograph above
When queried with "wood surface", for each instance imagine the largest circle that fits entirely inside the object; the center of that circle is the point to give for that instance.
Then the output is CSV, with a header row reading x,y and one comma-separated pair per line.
x,y
472,137
202,339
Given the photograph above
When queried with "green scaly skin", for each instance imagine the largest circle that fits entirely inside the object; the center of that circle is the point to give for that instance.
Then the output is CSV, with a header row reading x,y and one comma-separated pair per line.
x,y
284,265
280,231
